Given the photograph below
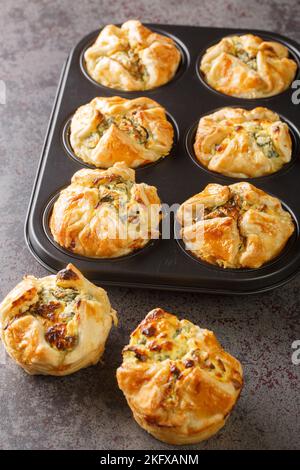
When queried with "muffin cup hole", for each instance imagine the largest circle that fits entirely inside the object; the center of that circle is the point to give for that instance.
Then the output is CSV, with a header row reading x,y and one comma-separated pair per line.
x,y
66,131
293,54
46,227
294,133
273,263
183,65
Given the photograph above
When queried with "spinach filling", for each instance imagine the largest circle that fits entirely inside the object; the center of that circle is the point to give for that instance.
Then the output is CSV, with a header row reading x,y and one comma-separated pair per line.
x,y
130,60
231,208
59,293
55,307
265,142
172,347
133,128
244,56
261,138
127,123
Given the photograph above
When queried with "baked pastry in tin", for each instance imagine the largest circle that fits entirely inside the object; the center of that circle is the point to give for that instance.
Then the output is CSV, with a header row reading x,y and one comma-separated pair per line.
x,y
243,143
236,226
105,213
56,325
248,67
132,57
114,129
178,381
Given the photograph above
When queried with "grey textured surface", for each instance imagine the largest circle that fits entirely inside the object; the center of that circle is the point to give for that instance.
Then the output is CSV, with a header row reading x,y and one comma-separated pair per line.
x,y
86,410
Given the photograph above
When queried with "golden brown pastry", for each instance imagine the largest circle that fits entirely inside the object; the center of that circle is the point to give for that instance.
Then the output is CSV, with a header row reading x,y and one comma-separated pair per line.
x,y
248,67
178,381
105,213
236,226
132,57
243,144
110,130
56,325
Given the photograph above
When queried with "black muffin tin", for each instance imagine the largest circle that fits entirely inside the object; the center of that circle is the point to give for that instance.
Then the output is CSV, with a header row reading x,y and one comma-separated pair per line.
x,y
165,264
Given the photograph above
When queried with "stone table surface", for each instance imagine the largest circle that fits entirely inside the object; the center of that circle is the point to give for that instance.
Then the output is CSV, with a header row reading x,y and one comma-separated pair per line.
x,y
86,410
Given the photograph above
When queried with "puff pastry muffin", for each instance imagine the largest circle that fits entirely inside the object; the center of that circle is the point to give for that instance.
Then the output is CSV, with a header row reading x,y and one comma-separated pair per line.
x,y
243,144
236,226
132,57
56,325
248,67
178,381
105,213
109,130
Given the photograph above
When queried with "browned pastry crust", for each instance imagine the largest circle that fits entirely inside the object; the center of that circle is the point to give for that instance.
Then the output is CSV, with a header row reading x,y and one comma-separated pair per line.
x,y
110,130
132,57
105,213
56,325
236,226
178,381
243,144
248,67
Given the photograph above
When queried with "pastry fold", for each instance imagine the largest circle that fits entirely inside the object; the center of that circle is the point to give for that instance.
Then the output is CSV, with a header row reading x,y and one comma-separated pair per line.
x,y
56,325
248,67
236,226
110,130
178,381
105,213
243,144
132,57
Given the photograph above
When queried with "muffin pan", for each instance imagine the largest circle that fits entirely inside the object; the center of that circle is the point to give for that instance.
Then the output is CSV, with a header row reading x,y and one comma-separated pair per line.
x,y
164,264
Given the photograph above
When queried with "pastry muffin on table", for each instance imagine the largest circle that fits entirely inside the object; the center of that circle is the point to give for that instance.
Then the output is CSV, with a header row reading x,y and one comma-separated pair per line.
x,y
243,143
235,226
247,66
132,57
178,381
57,324
105,213
114,129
